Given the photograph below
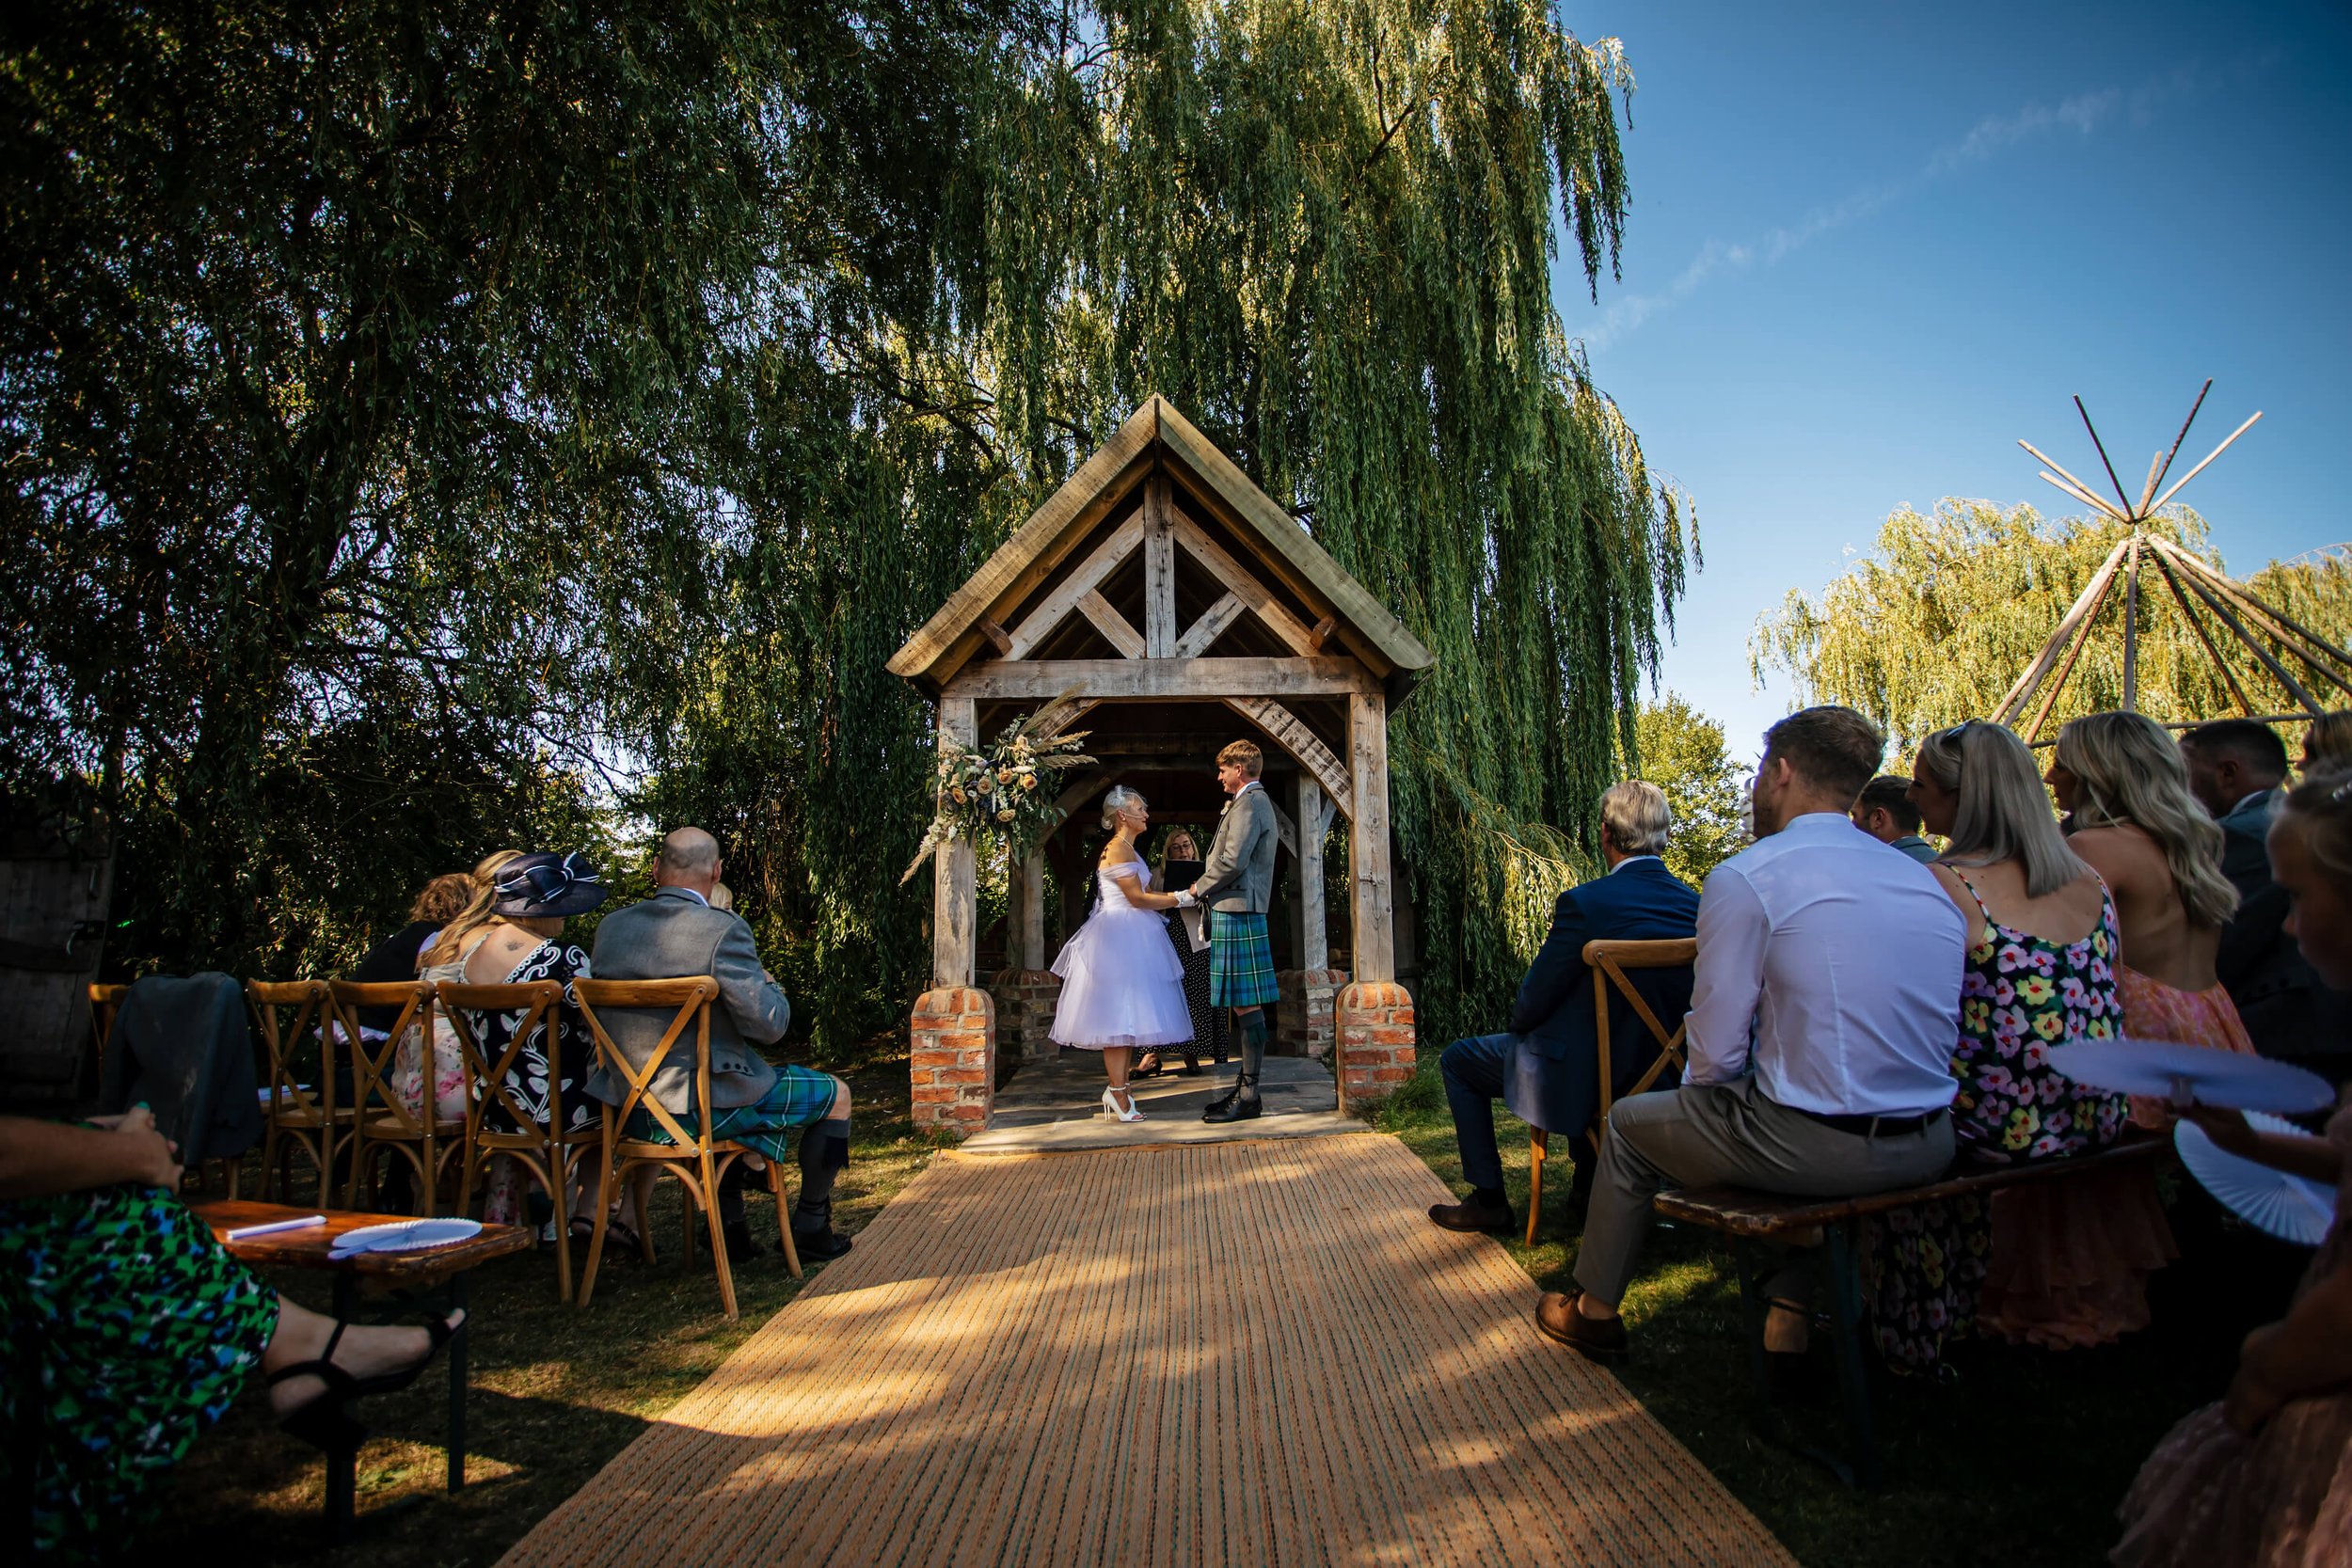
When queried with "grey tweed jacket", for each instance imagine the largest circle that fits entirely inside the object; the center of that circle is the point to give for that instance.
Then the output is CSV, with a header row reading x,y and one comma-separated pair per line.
x,y
1238,875
668,937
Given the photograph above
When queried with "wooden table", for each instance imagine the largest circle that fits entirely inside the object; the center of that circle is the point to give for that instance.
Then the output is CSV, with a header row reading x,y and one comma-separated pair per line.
x,y
438,1268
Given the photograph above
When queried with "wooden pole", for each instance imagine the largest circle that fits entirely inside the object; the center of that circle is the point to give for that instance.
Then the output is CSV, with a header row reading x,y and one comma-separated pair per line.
x,y
2166,467
2080,488
2088,600
2074,652
2286,626
2237,628
1159,570
2131,630
1371,896
2102,449
2208,462
955,894
1315,951
2188,612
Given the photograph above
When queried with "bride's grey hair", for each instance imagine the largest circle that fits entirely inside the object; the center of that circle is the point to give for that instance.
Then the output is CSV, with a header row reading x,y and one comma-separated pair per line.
x,y
1119,799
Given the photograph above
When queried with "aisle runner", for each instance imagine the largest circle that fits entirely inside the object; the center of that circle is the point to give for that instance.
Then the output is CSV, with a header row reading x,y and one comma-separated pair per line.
x,y
1224,1353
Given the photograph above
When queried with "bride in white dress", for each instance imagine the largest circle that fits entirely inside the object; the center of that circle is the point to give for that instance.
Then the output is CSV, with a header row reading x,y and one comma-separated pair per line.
x,y
1123,986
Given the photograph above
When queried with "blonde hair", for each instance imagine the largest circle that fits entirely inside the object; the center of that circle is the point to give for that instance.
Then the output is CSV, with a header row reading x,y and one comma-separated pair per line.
x,y
2328,741
2132,772
1119,799
1636,818
2322,807
476,914
2002,813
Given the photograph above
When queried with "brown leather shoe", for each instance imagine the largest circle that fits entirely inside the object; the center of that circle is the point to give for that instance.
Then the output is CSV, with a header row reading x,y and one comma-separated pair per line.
x,y
1471,1214
1557,1318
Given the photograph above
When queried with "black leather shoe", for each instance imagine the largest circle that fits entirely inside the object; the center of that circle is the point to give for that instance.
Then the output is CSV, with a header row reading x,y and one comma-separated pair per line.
x,y
1471,1214
740,1247
1236,1107
819,1247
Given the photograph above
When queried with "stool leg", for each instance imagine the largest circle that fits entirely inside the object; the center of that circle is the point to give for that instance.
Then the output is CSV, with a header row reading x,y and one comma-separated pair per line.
x,y
1853,1373
1538,1142
457,1385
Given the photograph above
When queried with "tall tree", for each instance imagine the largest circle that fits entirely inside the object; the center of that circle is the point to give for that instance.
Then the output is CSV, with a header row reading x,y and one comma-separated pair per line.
x,y
1954,606
1682,752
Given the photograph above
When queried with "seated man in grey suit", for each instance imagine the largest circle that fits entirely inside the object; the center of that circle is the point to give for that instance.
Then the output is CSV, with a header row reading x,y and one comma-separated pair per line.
x,y
675,934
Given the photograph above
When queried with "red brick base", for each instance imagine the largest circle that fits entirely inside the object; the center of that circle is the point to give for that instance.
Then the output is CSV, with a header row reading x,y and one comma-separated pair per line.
x,y
952,1059
1375,1029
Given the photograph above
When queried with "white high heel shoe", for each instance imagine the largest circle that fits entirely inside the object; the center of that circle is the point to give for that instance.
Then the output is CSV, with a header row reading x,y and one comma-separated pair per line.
x,y
1110,1107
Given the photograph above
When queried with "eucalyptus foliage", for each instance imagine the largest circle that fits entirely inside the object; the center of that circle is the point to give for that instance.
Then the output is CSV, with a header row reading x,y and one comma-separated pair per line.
x,y
1953,608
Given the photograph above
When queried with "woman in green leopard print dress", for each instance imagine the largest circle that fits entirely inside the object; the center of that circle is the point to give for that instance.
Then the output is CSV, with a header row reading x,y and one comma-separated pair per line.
x,y
131,1331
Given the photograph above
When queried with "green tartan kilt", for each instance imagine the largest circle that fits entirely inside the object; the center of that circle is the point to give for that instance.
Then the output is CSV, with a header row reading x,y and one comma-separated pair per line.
x,y
1241,960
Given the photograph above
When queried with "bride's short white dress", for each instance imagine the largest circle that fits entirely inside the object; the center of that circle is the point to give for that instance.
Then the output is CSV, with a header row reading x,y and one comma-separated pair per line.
x,y
1121,983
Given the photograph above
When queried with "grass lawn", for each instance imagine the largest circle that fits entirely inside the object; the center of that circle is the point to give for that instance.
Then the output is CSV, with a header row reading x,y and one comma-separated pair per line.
x,y
556,1391
2019,1463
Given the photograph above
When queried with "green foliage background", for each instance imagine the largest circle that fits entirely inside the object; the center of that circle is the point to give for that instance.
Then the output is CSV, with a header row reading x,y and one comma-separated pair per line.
x,y
1682,752
1936,626
434,428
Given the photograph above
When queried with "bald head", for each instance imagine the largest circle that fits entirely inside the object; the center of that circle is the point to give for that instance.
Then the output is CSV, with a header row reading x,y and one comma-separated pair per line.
x,y
689,858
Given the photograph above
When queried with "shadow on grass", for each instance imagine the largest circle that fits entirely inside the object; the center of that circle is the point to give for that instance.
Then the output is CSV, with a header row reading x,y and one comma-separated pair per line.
x,y
2019,1460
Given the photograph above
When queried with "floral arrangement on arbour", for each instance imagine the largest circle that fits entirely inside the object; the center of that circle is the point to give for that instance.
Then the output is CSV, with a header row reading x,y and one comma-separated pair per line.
x,y
1000,792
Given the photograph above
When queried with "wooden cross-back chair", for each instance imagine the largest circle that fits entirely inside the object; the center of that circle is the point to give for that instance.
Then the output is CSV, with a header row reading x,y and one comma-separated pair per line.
x,y
697,1159
381,1122
547,1150
288,1014
104,1003
1609,960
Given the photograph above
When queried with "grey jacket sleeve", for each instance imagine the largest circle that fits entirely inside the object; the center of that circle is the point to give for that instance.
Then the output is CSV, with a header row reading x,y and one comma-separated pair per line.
x,y
1229,855
755,1003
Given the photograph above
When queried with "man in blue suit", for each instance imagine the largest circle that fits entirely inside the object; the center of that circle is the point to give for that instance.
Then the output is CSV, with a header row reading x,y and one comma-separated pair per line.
x,y
1547,1068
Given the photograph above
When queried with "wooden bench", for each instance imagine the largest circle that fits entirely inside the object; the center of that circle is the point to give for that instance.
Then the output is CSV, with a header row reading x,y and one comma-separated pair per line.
x,y
1752,1220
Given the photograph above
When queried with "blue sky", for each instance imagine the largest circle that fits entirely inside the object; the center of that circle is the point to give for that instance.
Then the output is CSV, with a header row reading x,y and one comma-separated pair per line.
x,y
1872,245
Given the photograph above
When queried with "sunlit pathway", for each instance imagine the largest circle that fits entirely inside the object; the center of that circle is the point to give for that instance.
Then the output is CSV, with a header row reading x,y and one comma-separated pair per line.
x,y
1228,1354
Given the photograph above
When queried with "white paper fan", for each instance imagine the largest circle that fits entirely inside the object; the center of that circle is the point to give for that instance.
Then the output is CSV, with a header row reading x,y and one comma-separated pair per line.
x,y
2292,1208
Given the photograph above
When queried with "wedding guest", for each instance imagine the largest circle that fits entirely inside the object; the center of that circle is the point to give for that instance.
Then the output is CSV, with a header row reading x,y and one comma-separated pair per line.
x,y
401,954
1884,811
2263,1478
131,1331
1819,1033
722,897
2237,769
2041,972
2328,742
521,942
675,934
2122,780
1546,1064
447,1075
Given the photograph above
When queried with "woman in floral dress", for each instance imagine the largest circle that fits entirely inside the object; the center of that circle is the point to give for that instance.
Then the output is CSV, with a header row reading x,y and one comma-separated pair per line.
x,y
2041,972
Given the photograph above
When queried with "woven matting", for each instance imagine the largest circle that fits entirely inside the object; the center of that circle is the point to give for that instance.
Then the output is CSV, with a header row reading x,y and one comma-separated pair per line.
x,y
1205,1355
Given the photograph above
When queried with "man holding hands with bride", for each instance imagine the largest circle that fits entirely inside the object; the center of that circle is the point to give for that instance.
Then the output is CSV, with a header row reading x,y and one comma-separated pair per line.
x,y
1236,883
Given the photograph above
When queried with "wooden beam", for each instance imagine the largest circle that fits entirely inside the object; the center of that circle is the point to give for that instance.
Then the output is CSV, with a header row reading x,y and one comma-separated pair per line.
x,y
2085,490
2087,601
2292,628
1149,679
1112,624
1291,545
2188,613
1029,909
1314,943
2208,462
1239,581
1055,606
998,637
2131,628
1321,632
2057,683
1372,896
1203,634
2237,628
2166,467
1288,731
1159,570
1039,546
955,892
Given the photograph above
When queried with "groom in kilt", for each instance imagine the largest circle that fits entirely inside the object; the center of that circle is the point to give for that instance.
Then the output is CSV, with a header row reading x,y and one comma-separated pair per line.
x,y
1236,883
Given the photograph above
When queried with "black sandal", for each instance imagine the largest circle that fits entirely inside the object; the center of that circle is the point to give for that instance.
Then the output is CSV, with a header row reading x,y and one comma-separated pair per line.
x,y
322,1421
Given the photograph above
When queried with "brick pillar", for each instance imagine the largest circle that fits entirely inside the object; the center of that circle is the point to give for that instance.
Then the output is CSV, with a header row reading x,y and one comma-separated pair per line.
x,y
1025,1000
952,1058
1374,1019
1302,1017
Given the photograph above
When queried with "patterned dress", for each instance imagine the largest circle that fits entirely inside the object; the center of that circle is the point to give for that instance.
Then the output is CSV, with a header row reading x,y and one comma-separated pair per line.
x,y
2020,995
130,1331
535,1067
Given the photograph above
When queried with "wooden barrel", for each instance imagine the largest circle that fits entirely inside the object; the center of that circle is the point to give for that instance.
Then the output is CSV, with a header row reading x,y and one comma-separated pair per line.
x,y
56,879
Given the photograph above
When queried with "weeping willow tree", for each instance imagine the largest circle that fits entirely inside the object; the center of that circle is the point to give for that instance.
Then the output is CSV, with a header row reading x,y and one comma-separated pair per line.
x,y
1954,607
1328,233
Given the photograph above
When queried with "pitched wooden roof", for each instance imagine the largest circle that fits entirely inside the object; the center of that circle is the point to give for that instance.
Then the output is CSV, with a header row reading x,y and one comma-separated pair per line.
x,y
1280,553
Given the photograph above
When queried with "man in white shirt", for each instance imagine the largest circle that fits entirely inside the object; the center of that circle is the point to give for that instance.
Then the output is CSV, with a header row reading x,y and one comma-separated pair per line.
x,y
1824,1008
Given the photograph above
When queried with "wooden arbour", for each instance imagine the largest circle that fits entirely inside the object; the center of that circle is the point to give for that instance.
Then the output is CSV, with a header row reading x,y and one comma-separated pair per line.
x,y
1160,578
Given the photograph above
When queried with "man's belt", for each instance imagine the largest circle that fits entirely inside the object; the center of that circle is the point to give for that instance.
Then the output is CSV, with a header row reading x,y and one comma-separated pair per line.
x,y
1871,1127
